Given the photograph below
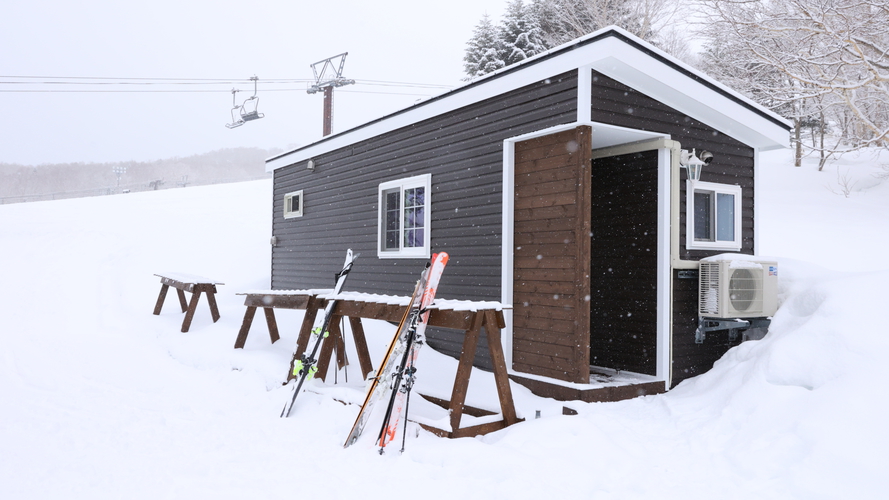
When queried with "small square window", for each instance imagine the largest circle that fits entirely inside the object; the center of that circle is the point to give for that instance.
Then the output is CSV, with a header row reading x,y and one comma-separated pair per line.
x,y
293,204
404,218
713,219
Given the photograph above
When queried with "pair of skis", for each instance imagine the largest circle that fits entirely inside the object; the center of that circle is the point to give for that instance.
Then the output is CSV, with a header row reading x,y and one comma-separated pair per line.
x,y
396,373
305,367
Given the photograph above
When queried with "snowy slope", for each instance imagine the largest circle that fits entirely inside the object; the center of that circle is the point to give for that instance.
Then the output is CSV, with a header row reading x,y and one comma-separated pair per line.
x,y
100,399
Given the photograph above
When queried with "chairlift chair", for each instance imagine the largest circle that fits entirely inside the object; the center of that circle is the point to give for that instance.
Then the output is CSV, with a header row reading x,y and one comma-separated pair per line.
x,y
248,110
236,109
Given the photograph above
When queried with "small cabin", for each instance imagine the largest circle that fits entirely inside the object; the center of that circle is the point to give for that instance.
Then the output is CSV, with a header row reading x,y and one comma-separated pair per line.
x,y
557,187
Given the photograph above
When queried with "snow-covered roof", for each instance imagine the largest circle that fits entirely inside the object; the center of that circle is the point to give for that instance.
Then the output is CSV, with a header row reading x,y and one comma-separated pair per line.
x,y
611,51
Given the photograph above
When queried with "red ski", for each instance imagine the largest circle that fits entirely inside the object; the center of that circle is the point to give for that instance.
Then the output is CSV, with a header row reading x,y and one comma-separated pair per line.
x,y
404,375
391,369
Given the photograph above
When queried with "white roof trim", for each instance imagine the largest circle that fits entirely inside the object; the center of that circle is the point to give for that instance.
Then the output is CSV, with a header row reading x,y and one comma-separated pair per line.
x,y
663,83
644,68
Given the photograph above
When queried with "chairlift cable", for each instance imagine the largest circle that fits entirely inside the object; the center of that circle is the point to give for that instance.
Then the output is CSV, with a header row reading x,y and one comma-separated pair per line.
x,y
189,81
218,80
158,91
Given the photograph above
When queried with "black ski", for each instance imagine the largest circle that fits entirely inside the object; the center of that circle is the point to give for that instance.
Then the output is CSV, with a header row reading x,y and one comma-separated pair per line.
x,y
304,368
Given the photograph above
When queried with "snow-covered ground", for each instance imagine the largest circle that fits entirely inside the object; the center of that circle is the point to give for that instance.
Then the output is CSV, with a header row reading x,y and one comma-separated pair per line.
x,y
99,399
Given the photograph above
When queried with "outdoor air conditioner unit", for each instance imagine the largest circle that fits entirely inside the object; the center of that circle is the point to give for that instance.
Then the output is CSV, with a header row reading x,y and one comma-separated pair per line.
x,y
734,286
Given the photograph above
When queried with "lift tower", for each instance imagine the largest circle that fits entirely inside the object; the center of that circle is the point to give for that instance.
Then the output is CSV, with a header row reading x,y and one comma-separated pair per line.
x,y
328,75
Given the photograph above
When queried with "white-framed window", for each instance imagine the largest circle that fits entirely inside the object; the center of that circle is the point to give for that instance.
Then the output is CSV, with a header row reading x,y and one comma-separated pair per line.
x,y
293,204
713,216
404,217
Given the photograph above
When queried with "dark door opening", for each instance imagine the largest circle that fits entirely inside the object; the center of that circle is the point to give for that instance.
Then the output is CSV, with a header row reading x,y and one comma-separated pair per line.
x,y
623,262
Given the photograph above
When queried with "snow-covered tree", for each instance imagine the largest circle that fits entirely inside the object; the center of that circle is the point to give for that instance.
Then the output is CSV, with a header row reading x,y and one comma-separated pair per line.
x,y
565,20
484,50
826,61
520,33
531,28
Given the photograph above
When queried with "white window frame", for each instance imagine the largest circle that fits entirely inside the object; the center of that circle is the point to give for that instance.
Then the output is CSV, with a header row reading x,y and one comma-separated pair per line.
x,y
424,181
690,242
298,212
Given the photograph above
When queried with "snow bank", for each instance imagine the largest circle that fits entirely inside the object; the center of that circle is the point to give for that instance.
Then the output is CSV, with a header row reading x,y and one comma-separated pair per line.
x,y
102,400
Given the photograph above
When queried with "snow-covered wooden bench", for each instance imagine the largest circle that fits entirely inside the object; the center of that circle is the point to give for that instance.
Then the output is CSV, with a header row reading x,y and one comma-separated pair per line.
x,y
268,300
469,316
188,283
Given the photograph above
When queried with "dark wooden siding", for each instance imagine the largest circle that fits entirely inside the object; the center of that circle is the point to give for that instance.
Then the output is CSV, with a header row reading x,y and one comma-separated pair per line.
x,y
691,359
463,150
623,281
618,104
551,256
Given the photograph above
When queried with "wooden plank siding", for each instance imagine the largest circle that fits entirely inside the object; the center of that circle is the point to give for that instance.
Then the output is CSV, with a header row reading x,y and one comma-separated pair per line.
x,y
551,255
463,150
617,104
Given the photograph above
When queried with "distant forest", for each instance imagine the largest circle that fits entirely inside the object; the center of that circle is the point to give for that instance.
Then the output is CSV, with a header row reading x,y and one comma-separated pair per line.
x,y
22,183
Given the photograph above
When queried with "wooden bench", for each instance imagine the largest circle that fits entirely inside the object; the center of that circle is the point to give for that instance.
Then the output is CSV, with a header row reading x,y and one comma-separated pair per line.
x,y
196,285
470,317
268,300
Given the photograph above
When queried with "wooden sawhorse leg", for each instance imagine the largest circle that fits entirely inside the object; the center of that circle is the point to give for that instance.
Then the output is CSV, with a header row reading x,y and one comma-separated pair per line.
x,y
492,324
211,299
361,346
210,290
334,342
305,333
160,299
192,307
272,324
163,295
248,320
182,303
245,327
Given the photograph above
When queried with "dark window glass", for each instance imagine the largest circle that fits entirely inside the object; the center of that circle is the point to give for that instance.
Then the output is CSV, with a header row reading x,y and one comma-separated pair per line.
x,y
703,216
392,215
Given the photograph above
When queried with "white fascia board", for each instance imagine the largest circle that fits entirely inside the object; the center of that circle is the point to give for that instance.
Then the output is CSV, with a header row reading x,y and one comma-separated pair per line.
x,y
663,83
703,76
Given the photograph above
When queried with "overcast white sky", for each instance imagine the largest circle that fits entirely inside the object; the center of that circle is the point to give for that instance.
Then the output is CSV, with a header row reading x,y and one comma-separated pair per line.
x,y
387,40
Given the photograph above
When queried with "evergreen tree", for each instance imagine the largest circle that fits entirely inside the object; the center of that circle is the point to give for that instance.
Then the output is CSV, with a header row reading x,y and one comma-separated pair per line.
x,y
483,51
529,29
520,33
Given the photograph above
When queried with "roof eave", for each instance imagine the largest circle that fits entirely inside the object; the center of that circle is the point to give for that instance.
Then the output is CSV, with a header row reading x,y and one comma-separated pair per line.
x,y
611,51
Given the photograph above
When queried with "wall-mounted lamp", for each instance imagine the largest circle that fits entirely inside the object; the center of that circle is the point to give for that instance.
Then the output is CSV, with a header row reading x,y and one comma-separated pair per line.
x,y
310,165
694,164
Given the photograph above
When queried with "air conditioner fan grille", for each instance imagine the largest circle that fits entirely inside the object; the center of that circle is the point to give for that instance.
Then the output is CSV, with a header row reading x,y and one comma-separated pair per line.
x,y
742,289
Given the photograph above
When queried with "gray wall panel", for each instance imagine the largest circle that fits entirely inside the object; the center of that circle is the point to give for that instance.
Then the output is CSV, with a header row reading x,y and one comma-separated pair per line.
x,y
463,152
